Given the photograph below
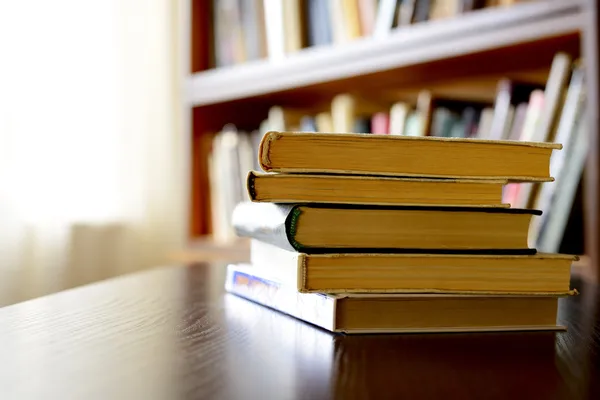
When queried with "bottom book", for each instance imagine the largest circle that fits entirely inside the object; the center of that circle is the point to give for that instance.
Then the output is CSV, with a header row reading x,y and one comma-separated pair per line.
x,y
387,313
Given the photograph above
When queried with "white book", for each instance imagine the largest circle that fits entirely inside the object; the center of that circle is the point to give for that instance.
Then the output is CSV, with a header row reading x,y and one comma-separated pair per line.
x,y
387,313
398,116
567,127
275,29
385,18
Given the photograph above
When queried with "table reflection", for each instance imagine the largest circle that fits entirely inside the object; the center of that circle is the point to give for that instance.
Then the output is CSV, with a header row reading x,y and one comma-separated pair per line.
x,y
499,365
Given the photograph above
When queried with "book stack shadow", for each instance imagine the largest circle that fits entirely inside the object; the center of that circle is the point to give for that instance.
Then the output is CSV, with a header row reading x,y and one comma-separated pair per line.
x,y
373,233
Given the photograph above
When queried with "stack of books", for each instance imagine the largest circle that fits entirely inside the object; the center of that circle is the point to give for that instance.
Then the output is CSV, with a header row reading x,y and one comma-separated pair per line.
x,y
371,233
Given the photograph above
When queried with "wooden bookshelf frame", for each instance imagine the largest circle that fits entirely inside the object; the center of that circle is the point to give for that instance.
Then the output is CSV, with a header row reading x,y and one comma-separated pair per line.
x,y
517,42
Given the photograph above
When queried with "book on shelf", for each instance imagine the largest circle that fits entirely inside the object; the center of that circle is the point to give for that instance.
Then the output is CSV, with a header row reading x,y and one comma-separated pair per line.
x,y
509,95
561,199
569,127
454,118
367,12
319,228
253,29
229,38
343,189
386,13
399,113
318,16
228,164
538,274
388,313
544,129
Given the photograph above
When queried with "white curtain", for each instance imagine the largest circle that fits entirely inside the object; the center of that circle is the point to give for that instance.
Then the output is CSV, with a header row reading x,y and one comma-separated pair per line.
x,y
93,154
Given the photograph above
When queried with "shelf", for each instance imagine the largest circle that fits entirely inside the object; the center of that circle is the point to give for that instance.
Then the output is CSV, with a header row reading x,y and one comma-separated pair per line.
x,y
488,42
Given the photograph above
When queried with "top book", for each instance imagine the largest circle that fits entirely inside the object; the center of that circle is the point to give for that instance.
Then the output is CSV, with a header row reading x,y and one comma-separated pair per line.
x,y
363,154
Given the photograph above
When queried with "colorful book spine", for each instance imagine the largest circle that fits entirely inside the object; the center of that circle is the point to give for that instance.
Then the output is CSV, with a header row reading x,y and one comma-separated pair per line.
x,y
380,123
315,308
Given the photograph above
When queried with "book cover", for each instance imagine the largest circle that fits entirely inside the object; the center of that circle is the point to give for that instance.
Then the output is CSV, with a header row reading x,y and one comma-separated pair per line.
x,y
344,189
294,227
540,274
402,156
376,313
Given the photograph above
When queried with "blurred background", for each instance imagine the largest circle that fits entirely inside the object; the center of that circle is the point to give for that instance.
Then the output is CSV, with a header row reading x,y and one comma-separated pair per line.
x,y
93,159
127,126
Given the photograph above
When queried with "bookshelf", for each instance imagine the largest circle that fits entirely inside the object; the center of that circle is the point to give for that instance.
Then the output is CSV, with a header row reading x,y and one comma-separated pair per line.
x,y
461,56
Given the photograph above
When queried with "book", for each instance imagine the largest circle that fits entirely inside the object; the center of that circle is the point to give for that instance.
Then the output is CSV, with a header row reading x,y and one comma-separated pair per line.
x,y
380,123
508,95
284,119
367,13
440,9
293,25
485,123
338,22
229,41
553,227
425,112
406,12
405,156
371,313
422,7
470,5
469,119
545,128
534,112
351,15
384,22
454,117
230,159
307,124
442,122
539,274
414,124
275,29
343,189
324,122
343,111
398,116
253,19
518,122
567,128
319,25
361,125
355,228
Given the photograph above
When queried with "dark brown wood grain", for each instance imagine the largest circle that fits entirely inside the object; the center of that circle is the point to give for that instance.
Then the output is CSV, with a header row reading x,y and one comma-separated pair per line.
x,y
171,333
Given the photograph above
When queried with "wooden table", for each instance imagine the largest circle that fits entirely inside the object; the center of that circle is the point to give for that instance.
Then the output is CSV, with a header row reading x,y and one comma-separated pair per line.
x,y
171,333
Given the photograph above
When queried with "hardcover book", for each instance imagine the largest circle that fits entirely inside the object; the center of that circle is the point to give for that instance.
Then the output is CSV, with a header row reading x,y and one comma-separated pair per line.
x,y
539,274
354,228
405,156
344,189
396,313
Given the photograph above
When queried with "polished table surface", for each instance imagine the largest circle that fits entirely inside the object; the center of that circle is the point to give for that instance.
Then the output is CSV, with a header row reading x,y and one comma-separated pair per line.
x,y
171,333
